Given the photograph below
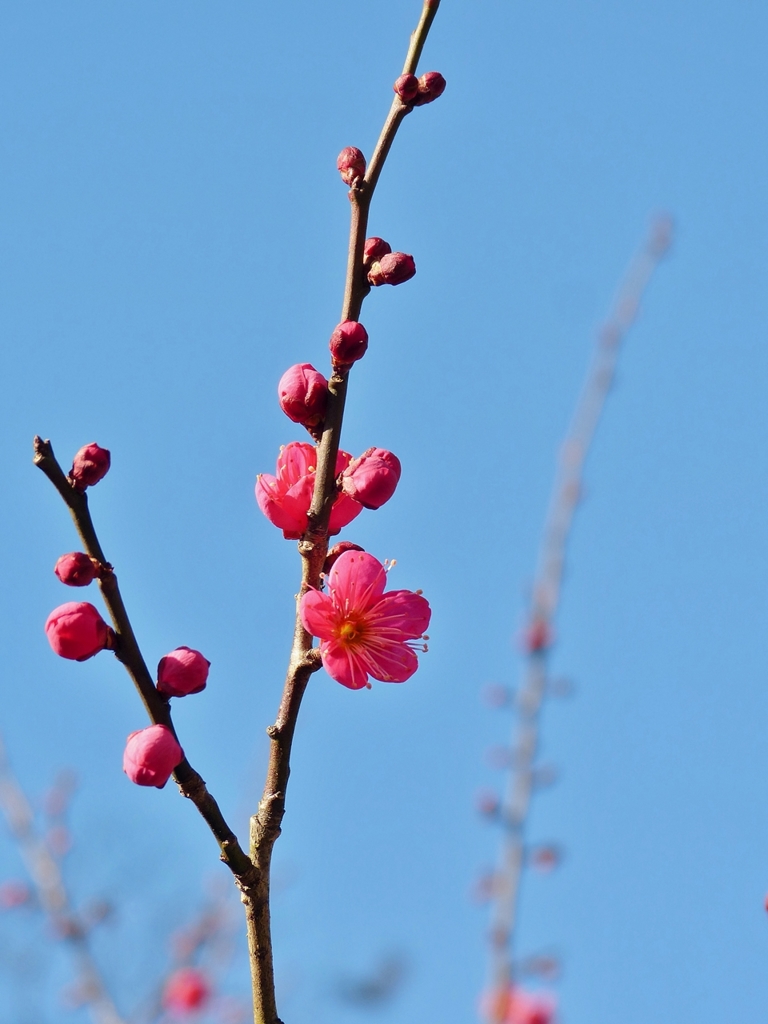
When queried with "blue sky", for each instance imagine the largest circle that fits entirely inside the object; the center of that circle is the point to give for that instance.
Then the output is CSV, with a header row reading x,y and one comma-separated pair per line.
x,y
174,236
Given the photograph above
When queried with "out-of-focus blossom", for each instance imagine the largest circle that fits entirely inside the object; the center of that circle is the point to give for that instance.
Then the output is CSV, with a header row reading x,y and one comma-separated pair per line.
x,y
303,394
349,342
89,466
364,631
372,478
150,756
351,165
182,672
285,498
394,268
538,636
76,631
514,1005
186,991
14,894
75,569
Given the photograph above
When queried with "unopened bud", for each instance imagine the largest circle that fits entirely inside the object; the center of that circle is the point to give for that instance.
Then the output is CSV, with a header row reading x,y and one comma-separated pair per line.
x,y
89,465
75,569
394,268
76,631
182,672
186,991
303,393
351,165
407,87
431,85
372,478
150,756
348,343
336,551
374,249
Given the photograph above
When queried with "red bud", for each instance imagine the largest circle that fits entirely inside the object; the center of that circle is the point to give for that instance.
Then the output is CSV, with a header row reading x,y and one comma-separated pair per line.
x,y
351,165
395,268
90,464
431,85
348,343
407,87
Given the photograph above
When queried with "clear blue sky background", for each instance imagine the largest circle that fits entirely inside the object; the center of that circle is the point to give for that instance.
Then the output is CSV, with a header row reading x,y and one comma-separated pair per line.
x,y
174,236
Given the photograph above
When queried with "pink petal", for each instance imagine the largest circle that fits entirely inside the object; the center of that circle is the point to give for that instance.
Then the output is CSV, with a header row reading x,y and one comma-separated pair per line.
x,y
294,462
318,615
298,498
273,507
344,510
356,581
388,660
344,664
400,615
343,459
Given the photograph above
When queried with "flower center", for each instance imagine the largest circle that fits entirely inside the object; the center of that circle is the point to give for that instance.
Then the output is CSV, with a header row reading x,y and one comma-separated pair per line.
x,y
350,632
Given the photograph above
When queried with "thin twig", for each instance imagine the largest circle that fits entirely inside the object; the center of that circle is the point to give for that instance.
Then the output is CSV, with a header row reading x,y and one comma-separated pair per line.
x,y
266,823
52,894
127,651
546,597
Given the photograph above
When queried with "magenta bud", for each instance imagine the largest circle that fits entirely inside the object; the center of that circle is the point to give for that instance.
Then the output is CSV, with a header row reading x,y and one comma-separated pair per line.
x,y
76,569
150,756
336,551
374,249
431,85
351,165
303,392
348,343
394,268
407,87
89,465
76,631
186,991
372,478
182,672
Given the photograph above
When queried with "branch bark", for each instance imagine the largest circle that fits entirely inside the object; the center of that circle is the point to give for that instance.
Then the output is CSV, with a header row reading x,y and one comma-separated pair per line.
x,y
313,547
127,651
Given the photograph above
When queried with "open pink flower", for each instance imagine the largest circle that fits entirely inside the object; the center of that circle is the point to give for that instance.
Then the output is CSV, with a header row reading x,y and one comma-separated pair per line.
x,y
285,499
363,631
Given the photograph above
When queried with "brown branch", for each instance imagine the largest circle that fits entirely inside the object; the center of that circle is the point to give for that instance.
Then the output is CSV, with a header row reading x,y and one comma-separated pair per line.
x,y
52,894
266,823
127,651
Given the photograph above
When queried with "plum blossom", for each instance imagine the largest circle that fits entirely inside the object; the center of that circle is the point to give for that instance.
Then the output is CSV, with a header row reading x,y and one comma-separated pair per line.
x,y
363,631
513,1005
285,499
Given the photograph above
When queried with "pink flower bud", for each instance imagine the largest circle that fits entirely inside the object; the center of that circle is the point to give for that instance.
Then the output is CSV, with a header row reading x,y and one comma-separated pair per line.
x,y
303,392
150,756
407,87
186,990
351,165
431,85
182,672
89,465
372,478
374,249
75,630
336,551
75,569
14,894
348,343
394,268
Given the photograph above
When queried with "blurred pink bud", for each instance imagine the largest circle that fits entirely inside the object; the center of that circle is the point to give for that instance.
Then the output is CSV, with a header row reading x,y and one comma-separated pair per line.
x,y
285,498
546,858
182,672
75,569
487,803
513,1005
89,465
407,87
374,249
394,268
431,85
150,756
351,165
75,630
372,478
336,550
14,894
303,393
496,696
348,343
59,840
538,636
186,990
